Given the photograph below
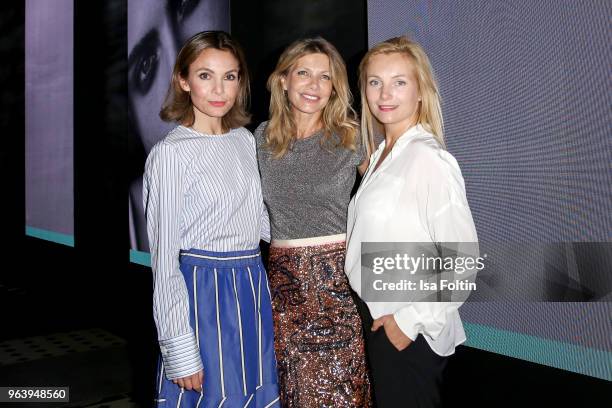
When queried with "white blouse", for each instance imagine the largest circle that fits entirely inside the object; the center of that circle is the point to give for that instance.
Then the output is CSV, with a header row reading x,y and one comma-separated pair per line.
x,y
416,195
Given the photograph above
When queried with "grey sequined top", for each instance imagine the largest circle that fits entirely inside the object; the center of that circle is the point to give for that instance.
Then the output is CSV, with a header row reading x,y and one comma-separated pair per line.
x,y
307,191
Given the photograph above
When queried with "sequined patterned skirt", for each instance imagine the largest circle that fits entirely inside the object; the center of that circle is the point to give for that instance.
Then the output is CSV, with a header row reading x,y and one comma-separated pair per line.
x,y
318,334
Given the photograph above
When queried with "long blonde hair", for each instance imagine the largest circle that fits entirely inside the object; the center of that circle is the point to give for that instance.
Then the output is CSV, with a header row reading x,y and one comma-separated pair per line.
x,y
338,115
429,111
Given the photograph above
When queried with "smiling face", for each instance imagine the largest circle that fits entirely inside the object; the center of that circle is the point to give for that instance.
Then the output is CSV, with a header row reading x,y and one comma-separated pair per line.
x,y
392,91
213,82
308,84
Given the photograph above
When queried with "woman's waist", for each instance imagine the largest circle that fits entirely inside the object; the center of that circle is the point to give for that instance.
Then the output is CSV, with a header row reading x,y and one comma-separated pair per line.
x,y
291,224
309,241
202,257
318,260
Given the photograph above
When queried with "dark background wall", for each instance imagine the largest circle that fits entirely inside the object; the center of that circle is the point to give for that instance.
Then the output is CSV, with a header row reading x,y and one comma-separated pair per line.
x,y
47,288
265,28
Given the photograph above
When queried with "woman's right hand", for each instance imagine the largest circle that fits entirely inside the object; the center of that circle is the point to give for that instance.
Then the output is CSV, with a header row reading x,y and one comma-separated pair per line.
x,y
191,382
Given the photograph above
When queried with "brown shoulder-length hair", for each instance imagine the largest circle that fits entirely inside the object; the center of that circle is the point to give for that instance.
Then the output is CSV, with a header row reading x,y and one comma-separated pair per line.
x,y
178,107
337,116
429,111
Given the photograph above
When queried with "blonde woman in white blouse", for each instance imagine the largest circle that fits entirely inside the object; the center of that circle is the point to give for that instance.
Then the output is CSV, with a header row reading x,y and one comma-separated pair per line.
x,y
413,191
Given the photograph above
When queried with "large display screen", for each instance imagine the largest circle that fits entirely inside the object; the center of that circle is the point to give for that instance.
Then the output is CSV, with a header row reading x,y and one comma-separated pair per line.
x,y
49,120
156,32
526,100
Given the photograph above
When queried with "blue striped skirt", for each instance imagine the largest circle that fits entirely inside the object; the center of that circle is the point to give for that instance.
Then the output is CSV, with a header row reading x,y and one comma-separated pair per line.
x,y
230,312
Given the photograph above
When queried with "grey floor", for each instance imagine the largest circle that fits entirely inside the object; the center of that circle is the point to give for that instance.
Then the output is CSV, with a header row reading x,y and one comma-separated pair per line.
x,y
92,362
96,364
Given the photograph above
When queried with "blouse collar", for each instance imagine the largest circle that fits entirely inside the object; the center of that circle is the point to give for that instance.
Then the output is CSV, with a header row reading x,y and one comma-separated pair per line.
x,y
406,137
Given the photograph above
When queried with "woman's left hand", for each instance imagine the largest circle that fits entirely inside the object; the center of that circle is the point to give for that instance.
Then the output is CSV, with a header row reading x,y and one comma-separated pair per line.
x,y
395,335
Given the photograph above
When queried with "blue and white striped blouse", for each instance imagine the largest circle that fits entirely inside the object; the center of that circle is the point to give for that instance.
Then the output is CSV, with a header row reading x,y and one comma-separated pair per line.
x,y
200,191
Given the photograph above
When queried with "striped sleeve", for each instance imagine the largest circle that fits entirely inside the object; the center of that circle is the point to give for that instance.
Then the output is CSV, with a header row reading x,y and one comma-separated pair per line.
x,y
162,197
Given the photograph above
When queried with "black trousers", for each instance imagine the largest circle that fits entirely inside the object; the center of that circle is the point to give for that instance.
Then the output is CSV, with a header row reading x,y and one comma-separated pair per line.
x,y
408,378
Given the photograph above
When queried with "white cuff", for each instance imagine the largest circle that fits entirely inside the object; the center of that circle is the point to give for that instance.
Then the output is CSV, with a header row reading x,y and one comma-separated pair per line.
x,y
181,356
409,321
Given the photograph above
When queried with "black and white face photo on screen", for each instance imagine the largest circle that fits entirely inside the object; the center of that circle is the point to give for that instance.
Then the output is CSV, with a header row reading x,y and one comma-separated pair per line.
x,y
156,31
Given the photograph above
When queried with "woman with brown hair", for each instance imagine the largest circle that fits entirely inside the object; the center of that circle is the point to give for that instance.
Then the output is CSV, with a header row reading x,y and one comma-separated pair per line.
x,y
205,218
308,155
